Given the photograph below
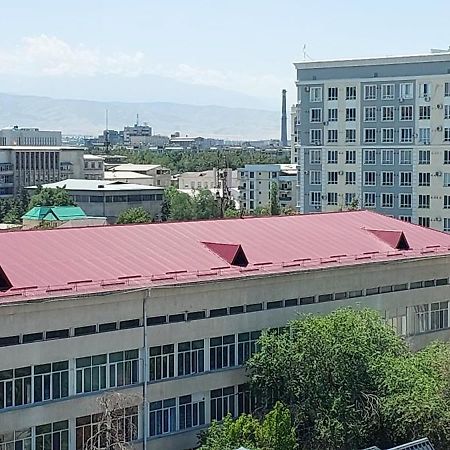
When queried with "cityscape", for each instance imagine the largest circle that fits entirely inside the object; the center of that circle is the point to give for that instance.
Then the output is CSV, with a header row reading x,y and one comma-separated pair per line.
x,y
241,245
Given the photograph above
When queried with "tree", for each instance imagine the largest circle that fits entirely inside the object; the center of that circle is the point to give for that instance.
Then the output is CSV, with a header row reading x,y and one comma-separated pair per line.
x,y
134,215
205,205
51,197
351,382
231,212
274,200
261,211
273,432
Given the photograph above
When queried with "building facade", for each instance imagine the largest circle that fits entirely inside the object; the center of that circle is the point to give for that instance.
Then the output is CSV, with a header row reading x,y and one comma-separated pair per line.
x,y
158,175
375,133
94,167
255,181
167,314
29,137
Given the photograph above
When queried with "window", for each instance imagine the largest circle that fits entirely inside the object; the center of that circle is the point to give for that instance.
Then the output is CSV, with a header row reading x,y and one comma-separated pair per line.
x,y
350,197
370,114
369,200
332,115
20,440
387,113
162,362
398,323
406,135
315,156
191,357
350,114
405,218
446,111
123,368
424,156
406,112
191,412
314,198
350,135
405,178
429,317
222,403
370,92
332,157
387,91
369,156
405,201
332,198
332,178
446,156
163,417
406,90
315,94
15,387
387,157
387,135
447,89
350,157
350,177
405,157
424,222
424,112
53,436
222,352
446,134
246,400
315,177
446,224
370,179
332,93
446,201
424,201
424,178
247,345
387,178
350,93
424,89
387,200
370,136
315,115
424,135
332,136
315,136
446,179
51,381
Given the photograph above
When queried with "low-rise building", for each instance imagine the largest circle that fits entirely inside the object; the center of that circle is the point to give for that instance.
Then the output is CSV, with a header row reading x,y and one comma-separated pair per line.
x,y
137,135
94,167
159,175
109,199
207,179
255,183
168,313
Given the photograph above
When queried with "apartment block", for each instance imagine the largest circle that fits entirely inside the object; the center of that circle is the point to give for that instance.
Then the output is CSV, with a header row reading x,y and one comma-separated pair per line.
x,y
255,182
375,133
167,314
33,137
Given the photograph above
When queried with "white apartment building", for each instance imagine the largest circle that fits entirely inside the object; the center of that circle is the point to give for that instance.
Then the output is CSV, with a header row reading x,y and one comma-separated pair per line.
x,y
171,311
375,132
94,167
255,181
157,174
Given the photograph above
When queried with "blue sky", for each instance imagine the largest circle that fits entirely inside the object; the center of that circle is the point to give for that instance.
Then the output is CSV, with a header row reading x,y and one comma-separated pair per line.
x,y
247,45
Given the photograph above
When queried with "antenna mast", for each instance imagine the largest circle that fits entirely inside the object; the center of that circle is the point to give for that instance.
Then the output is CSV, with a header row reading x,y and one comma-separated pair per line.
x,y
107,143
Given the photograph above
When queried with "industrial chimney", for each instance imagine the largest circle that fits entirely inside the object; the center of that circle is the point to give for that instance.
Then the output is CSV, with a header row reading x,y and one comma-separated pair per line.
x,y
283,140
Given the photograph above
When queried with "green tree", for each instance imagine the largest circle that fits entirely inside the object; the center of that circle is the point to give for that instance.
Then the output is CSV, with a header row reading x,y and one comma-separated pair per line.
x,y
261,211
331,372
134,215
51,197
205,205
181,206
274,200
231,212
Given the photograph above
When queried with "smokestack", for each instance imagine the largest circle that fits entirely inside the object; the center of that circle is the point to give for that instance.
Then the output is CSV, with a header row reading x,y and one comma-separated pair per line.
x,y
283,140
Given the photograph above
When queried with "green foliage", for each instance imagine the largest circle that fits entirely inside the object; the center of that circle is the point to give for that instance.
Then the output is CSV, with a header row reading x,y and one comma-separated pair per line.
x,y
261,211
231,212
51,197
193,160
273,432
134,215
351,382
274,200
12,209
205,205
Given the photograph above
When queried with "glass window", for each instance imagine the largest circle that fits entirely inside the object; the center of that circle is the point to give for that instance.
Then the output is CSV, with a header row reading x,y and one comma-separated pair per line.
x,y
387,113
350,114
406,112
315,115
332,93
387,178
405,201
332,136
332,156
332,115
52,436
222,403
370,92
406,90
369,156
247,345
387,135
424,135
370,114
315,136
406,135
315,156
387,157
387,91
370,179
350,135
332,198
350,177
15,387
424,201
51,381
424,112
163,417
424,156
369,200
387,200
370,135
191,412
191,357
222,351
315,94
350,157
350,93
162,362
424,178
405,157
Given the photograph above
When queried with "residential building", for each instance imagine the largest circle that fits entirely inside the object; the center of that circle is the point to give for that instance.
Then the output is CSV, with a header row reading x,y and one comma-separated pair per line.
x,y
159,175
167,313
101,198
376,131
255,182
94,167
137,135
207,179
22,166
30,137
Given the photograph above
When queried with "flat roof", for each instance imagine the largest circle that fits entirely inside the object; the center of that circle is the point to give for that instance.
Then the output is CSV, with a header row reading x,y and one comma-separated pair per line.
x,y
72,261
111,175
41,147
135,167
73,184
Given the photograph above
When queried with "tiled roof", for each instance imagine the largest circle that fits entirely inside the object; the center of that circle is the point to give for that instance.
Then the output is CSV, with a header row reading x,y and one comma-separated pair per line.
x,y
166,253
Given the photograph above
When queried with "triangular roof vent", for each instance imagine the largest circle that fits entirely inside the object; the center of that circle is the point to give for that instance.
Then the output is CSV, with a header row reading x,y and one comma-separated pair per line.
x,y
232,253
5,284
395,238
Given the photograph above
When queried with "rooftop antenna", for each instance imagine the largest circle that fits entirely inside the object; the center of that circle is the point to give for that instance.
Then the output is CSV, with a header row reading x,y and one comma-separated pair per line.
x,y
304,52
137,119
106,133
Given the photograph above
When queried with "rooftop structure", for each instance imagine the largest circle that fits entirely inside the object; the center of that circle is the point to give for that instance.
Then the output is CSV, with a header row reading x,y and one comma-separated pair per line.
x,y
29,137
157,174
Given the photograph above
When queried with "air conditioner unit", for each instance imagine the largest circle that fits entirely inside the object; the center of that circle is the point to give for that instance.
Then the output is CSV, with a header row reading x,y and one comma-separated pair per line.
x,y
324,197
325,123
439,128
401,99
438,174
440,106
306,172
307,88
426,143
438,219
318,143
341,172
426,98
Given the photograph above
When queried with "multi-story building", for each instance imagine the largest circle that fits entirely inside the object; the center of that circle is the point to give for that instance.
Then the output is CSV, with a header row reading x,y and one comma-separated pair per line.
x,y
94,167
376,132
32,137
167,314
22,166
102,198
137,135
255,182
207,179
158,175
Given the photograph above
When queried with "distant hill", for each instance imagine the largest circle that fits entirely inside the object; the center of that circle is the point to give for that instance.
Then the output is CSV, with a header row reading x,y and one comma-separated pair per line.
x,y
88,117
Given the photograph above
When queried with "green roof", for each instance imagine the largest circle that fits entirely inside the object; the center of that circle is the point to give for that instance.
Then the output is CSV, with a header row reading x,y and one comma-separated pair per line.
x,y
51,213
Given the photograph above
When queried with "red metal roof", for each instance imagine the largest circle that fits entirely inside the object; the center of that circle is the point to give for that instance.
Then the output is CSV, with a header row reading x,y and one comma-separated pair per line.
x,y
83,257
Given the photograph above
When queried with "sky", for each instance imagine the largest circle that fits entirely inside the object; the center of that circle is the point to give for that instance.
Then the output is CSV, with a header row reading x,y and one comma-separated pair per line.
x,y
247,46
